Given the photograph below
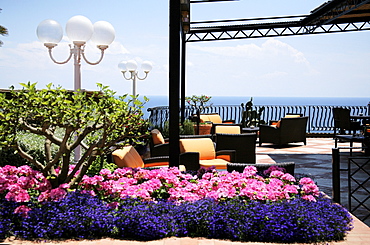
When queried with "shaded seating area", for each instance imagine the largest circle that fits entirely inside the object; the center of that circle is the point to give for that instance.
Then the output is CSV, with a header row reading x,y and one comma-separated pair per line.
x,y
287,130
203,150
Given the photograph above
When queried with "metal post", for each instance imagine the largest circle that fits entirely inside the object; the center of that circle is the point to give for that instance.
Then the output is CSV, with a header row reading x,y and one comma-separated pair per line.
x,y
77,87
134,83
183,76
336,174
174,81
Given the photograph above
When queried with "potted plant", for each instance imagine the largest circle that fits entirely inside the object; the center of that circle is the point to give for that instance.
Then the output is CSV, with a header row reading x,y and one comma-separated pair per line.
x,y
198,105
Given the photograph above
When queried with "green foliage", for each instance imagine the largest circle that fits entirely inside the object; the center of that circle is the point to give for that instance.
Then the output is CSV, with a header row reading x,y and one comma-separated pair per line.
x,y
251,117
63,120
187,127
3,32
99,164
199,103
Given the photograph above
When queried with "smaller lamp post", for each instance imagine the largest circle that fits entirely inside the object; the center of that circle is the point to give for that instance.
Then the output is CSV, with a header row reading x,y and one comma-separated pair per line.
x,y
131,66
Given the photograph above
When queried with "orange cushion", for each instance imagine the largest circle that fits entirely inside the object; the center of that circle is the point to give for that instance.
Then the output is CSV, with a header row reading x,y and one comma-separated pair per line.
x,y
204,146
227,129
275,124
218,163
225,157
127,157
157,137
156,164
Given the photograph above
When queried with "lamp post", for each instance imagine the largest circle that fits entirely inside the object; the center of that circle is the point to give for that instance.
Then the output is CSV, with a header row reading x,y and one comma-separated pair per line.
x,y
131,66
79,30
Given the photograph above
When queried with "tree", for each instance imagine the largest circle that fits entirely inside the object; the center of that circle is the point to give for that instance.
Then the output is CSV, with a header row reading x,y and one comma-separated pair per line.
x,y
3,32
97,121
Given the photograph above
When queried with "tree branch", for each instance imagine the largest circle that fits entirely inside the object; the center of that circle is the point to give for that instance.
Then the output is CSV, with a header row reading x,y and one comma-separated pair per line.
x,y
28,157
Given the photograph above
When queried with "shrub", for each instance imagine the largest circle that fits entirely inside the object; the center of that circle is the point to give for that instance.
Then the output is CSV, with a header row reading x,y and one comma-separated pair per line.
x,y
96,121
83,216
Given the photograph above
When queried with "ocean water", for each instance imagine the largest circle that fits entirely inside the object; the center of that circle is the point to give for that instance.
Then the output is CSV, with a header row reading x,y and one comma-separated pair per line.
x,y
155,101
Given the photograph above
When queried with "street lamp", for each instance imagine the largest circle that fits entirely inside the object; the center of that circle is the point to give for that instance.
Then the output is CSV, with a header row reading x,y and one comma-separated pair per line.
x,y
79,30
131,66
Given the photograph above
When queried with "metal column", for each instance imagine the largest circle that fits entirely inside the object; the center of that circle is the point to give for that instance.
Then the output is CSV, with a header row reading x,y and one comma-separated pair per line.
x,y
174,80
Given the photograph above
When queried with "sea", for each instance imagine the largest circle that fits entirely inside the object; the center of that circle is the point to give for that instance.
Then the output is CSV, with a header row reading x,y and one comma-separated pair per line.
x,y
157,100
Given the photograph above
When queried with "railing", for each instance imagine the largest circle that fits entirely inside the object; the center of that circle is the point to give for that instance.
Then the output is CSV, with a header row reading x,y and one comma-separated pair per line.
x,y
320,116
358,183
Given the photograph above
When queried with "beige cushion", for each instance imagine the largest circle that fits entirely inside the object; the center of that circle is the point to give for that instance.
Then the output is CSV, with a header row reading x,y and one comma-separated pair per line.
x,y
214,118
293,116
227,129
157,137
127,157
204,146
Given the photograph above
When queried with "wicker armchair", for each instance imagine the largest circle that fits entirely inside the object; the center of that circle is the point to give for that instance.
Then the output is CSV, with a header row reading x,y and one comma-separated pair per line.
x,y
243,144
288,130
159,146
204,150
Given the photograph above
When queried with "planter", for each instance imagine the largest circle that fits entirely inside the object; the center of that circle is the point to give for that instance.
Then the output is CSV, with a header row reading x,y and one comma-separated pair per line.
x,y
203,129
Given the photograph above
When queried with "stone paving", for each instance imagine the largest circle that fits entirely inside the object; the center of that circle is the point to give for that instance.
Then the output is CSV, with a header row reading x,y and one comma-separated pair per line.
x,y
313,159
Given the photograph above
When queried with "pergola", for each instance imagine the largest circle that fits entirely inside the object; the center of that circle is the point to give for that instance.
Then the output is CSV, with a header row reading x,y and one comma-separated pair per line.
x,y
330,17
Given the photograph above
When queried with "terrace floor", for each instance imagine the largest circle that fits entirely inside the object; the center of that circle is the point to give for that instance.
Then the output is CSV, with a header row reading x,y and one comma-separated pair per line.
x,y
313,159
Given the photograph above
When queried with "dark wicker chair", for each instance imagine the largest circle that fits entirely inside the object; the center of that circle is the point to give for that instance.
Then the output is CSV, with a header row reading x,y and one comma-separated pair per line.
x,y
239,167
343,122
290,130
243,144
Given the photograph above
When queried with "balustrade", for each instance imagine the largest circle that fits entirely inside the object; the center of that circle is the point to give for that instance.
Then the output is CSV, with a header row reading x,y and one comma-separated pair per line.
x,y
320,116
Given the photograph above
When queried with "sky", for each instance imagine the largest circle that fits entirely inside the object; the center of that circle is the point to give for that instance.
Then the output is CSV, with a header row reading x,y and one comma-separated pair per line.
x,y
324,65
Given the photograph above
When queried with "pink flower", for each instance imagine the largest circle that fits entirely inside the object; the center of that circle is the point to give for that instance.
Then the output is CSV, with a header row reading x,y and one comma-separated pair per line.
x,y
57,194
288,177
311,189
22,210
276,174
105,172
309,198
44,196
273,168
306,181
22,196
113,205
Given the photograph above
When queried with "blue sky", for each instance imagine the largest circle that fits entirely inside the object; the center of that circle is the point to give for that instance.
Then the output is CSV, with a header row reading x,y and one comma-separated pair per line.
x,y
334,65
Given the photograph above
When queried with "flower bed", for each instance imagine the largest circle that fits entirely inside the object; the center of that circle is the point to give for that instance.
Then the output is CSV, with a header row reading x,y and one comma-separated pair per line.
x,y
152,204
